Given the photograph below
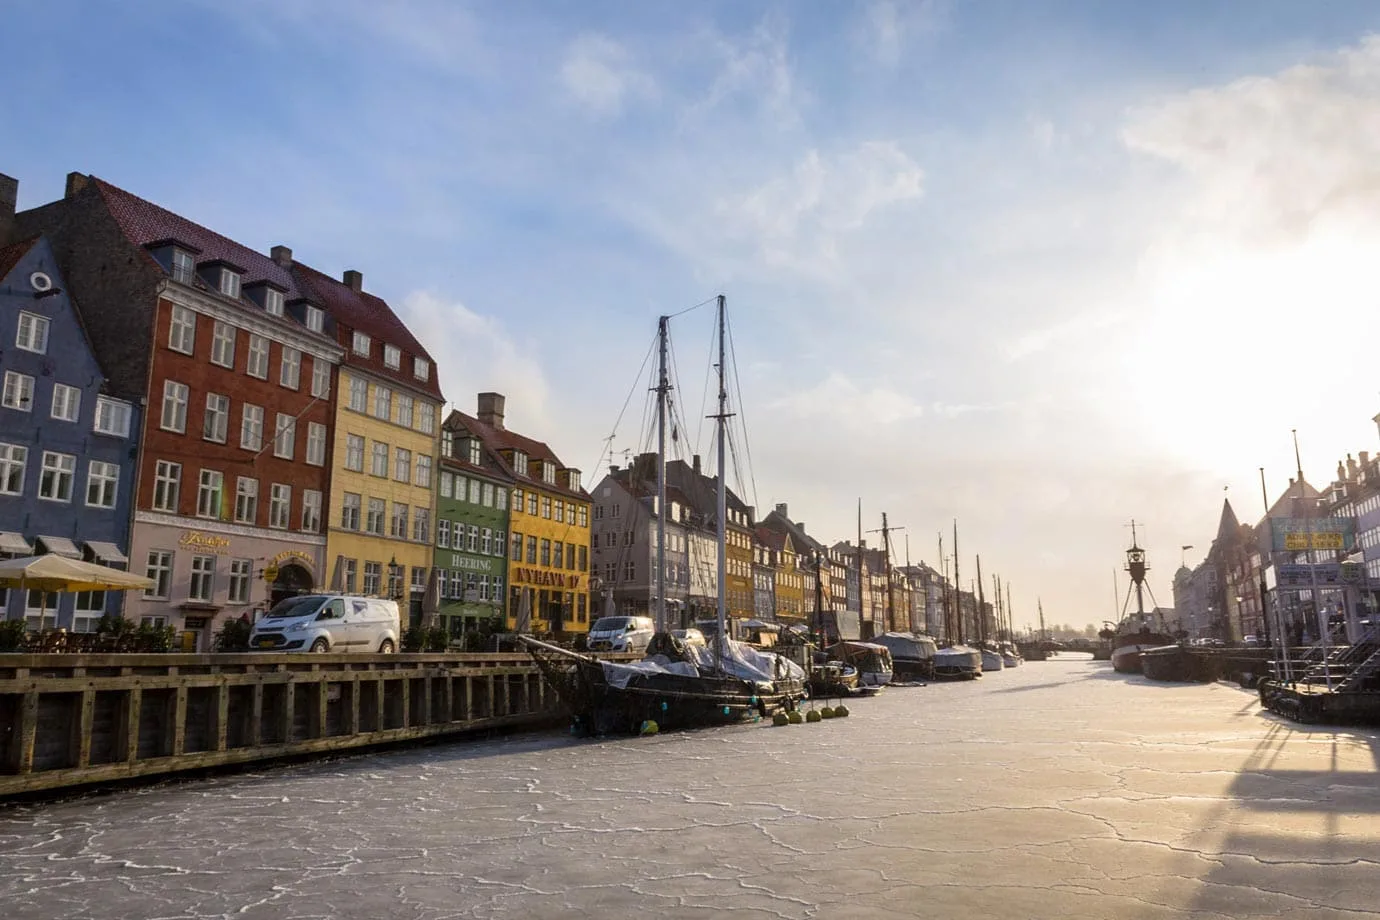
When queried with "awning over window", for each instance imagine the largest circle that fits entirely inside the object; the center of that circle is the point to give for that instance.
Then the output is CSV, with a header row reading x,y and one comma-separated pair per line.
x,y
59,545
15,544
106,553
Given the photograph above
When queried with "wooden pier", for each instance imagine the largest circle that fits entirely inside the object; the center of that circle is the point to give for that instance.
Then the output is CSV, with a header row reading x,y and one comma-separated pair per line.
x,y
70,720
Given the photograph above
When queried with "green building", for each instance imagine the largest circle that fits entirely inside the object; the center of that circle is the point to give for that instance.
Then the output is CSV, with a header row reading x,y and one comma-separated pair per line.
x,y
473,490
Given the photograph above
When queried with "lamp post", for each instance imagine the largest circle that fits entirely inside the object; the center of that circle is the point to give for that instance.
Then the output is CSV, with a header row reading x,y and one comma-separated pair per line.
x,y
394,580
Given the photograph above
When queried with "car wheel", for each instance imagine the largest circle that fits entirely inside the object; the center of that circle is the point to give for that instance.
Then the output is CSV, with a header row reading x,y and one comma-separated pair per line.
x,y
386,647
321,645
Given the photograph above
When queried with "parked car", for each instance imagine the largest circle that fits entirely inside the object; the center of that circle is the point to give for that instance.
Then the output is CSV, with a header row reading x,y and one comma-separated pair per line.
x,y
328,623
621,634
691,636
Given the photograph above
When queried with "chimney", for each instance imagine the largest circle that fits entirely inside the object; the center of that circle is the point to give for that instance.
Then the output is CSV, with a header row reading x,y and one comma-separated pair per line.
x,y
1365,458
781,510
75,183
1350,467
490,408
355,282
9,195
696,464
282,255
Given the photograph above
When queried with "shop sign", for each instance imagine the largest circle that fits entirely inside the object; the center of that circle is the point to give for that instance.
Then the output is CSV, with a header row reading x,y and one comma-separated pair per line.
x,y
295,556
481,564
544,578
206,542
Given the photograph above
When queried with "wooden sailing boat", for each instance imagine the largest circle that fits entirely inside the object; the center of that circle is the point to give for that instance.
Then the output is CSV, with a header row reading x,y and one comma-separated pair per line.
x,y
678,685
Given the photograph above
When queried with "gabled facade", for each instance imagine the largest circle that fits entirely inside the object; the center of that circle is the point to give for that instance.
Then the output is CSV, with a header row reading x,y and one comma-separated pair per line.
x,y
386,420
623,547
549,524
472,518
68,447
766,564
236,365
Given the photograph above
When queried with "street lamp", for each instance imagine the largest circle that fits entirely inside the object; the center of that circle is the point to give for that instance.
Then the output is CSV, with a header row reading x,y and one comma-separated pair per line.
x,y
394,580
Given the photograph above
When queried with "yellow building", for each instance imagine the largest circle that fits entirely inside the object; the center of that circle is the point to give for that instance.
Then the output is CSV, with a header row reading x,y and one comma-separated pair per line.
x,y
790,583
385,442
548,556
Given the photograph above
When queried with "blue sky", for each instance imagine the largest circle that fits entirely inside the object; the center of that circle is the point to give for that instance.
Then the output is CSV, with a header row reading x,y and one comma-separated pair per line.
x,y
1043,267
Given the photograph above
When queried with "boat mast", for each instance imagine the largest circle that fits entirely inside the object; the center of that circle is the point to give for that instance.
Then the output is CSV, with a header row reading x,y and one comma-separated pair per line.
x,y
981,602
1135,564
944,587
1010,615
958,591
663,388
886,566
1001,611
862,588
722,419
1040,605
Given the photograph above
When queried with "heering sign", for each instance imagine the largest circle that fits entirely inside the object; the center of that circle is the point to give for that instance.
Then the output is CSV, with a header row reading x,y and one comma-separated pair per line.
x,y
474,565
545,579
209,542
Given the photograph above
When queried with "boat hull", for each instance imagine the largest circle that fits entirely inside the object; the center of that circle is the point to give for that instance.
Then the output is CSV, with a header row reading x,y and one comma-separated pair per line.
x,y
908,670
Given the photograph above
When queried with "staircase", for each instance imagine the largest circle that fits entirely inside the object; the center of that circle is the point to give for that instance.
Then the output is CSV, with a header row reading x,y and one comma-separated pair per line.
x,y
1349,667
1365,675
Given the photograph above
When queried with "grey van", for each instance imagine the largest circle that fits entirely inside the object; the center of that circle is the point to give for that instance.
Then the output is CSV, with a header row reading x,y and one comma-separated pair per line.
x,y
328,623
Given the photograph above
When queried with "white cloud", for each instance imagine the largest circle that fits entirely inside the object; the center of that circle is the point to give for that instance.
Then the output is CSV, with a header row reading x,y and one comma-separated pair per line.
x,y
840,402
475,354
888,27
755,71
598,73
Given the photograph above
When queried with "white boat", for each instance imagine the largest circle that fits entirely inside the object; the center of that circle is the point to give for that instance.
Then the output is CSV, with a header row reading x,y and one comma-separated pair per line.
x,y
991,660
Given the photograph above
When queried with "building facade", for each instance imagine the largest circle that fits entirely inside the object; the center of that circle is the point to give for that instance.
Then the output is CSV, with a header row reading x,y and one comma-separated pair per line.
x,y
67,445
624,546
472,518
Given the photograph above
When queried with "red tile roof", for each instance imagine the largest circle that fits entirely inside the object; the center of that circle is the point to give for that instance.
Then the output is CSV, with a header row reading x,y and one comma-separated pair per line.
x,y
501,439
11,254
360,310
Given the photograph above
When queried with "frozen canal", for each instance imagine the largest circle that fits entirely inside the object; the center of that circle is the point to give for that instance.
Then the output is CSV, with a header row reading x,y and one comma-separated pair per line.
x,y
1055,790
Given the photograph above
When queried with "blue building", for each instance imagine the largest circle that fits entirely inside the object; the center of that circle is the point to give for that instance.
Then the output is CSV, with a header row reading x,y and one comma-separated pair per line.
x,y
67,447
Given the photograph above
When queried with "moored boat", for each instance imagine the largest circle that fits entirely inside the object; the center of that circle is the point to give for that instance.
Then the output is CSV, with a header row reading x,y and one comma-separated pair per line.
x,y
912,655
873,661
957,662
1137,632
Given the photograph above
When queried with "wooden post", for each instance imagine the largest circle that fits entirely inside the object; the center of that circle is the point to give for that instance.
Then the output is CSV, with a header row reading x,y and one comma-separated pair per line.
x,y
256,715
448,697
179,721
426,700
289,709
133,708
28,731
468,699
406,701
222,716
352,717
379,708
88,715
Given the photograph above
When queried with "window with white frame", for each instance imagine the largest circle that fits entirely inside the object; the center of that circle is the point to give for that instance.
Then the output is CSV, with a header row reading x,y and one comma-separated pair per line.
x,y
290,368
379,462
443,533
374,519
320,378
398,527
476,489
501,498
486,495
209,492
548,472
447,484
112,417
392,357
402,465
158,569
423,471
285,436
66,402
485,540
500,545
421,368
349,511
383,403
257,365
472,537
174,416
519,463
280,506
405,404
426,421
573,477
223,344
182,330
230,283
360,344
87,611
55,482
373,578
167,485
183,266
316,319
359,394
273,302
351,568
354,452
238,588
32,334
447,439
311,511
19,392
40,609
246,500
421,525
216,424
316,444
102,483
13,460
203,584
252,427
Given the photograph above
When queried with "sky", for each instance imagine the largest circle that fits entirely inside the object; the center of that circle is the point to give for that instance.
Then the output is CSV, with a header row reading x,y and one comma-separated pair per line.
x,y
1038,267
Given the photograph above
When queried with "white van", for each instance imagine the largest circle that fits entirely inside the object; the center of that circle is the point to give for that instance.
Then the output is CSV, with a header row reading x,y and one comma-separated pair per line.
x,y
328,623
621,634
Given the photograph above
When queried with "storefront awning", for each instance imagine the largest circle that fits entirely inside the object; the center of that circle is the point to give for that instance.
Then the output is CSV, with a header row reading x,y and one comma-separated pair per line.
x,y
106,553
59,545
14,544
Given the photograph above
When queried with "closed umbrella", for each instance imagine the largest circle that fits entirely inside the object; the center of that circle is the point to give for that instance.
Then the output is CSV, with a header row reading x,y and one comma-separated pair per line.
x,y
338,576
524,612
431,600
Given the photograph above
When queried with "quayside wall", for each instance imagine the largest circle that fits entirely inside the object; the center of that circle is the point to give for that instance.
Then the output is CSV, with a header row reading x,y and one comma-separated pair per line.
x,y
70,720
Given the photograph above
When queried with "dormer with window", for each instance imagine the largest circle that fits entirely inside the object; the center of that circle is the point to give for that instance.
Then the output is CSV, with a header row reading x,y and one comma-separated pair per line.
x,y
421,369
222,276
314,318
360,344
548,472
473,451
177,258
572,481
392,357
267,295
519,463
447,443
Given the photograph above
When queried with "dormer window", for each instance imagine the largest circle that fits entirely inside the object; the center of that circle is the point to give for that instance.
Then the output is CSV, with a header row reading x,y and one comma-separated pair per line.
x,y
361,344
316,319
392,357
573,482
421,368
472,449
447,443
273,302
230,284
183,266
519,463
548,472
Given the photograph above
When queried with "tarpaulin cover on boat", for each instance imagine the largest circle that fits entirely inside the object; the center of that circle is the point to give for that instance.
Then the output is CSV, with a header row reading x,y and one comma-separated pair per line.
x,y
907,645
738,660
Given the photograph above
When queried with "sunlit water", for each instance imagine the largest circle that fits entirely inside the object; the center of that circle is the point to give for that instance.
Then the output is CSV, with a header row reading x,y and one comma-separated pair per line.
x,y
1053,790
